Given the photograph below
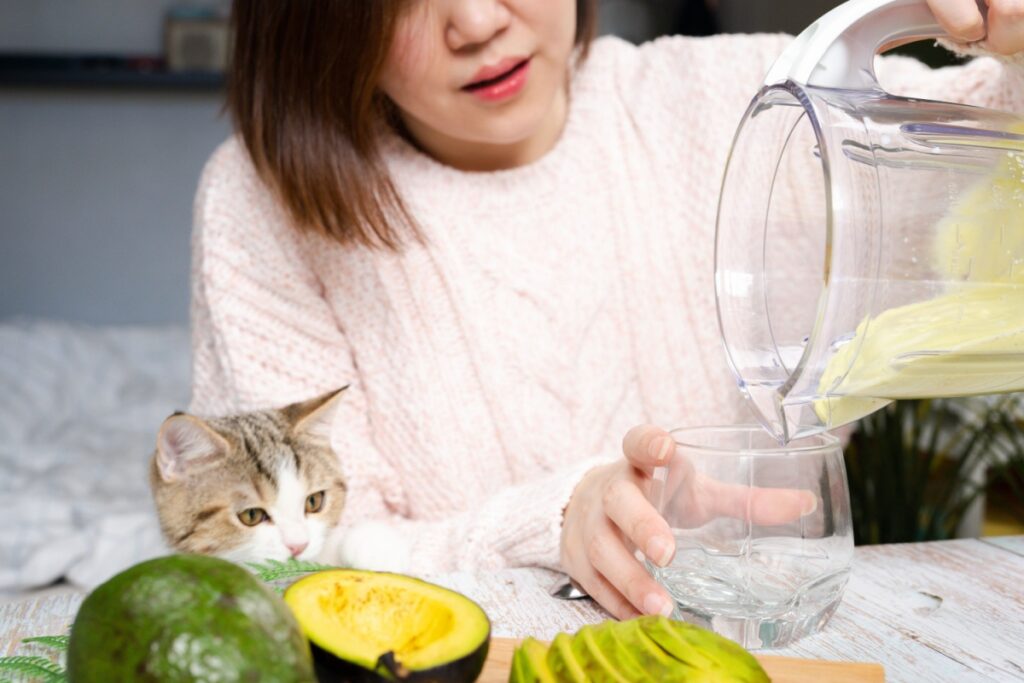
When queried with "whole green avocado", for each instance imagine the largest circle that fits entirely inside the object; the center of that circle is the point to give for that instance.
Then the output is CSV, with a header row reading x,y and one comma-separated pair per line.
x,y
187,618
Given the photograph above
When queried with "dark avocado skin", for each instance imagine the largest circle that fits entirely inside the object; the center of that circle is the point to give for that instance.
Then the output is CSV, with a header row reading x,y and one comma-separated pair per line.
x,y
186,618
332,669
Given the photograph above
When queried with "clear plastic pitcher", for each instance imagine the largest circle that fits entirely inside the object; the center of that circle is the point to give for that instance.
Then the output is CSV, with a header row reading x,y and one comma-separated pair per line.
x,y
869,247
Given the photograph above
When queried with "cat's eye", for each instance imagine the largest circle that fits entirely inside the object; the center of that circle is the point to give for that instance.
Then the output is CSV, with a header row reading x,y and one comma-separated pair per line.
x,y
314,502
252,516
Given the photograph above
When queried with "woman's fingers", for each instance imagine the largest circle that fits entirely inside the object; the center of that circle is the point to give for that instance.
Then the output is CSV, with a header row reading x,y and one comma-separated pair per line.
x,y
608,555
964,21
765,506
1006,26
628,508
961,19
598,588
647,447
592,551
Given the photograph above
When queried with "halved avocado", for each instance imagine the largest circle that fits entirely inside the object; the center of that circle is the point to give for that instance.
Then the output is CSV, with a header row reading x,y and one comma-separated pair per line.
x,y
376,626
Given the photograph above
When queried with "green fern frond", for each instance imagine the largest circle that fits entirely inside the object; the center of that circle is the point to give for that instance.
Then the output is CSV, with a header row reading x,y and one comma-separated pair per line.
x,y
275,570
56,642
34,669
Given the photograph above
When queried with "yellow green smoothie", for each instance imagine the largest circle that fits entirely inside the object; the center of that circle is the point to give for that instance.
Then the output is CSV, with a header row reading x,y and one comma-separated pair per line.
x,y
969,339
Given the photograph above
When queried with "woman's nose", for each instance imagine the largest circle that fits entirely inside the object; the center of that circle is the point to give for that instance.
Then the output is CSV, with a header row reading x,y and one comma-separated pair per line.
x,y
473,23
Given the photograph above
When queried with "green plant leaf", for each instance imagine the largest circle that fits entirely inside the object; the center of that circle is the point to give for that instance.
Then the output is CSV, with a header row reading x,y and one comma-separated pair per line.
x,y
276,570
913,467
56,642
1006,477
34,668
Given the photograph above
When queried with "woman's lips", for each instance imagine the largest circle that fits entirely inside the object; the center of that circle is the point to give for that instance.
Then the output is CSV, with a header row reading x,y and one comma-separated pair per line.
x,y
501,81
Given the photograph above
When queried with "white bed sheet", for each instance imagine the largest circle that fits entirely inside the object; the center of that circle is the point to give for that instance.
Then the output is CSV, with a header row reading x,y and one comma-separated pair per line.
x,y
79,410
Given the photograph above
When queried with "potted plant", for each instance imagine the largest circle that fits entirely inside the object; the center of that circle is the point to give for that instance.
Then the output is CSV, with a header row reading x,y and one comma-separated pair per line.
x,y
919,468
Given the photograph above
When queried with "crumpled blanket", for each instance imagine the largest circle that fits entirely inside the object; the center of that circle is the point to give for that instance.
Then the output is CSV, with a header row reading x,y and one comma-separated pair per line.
x,y
80,407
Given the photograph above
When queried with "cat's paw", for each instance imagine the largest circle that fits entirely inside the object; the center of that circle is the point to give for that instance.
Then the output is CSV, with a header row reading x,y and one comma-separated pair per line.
x,y
375,546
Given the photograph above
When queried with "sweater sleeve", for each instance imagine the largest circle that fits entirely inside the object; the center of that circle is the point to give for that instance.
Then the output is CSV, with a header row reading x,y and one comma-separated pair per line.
x,y
264,335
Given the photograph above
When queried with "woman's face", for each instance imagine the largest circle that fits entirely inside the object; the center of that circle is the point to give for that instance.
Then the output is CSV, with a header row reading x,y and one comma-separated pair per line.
x,y
481,74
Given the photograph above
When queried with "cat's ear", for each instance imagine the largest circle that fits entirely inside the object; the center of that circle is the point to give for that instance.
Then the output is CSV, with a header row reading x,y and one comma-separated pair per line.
x,y
186,444
313,418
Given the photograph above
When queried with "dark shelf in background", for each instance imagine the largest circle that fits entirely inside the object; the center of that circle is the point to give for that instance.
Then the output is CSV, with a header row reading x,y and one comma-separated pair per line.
x,y
101,72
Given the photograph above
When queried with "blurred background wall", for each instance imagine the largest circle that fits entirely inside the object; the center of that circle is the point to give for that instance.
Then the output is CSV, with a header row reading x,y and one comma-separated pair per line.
x,y
96,180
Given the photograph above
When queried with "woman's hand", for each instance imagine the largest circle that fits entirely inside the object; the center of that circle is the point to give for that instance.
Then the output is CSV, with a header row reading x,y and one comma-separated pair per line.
x,y
964,22
609,515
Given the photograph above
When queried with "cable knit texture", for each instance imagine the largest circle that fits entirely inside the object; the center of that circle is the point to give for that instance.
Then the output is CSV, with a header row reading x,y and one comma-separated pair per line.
x,y
553,307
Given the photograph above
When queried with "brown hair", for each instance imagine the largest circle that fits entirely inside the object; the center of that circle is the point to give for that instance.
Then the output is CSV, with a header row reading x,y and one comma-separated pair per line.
x,y
302,92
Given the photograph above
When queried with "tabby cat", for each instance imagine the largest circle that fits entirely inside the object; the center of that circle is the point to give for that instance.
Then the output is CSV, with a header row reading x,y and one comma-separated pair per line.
x,y
250,487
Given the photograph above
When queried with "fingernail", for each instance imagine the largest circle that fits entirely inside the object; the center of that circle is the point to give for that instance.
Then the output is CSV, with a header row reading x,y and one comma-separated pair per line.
x,y
657,604
659,551
660,448
811,505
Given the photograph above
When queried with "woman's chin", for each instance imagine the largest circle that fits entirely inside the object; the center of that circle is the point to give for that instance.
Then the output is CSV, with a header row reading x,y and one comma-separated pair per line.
x,y
510,134
511,124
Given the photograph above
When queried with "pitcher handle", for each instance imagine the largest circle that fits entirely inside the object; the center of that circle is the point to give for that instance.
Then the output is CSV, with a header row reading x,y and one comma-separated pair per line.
x,y
838,50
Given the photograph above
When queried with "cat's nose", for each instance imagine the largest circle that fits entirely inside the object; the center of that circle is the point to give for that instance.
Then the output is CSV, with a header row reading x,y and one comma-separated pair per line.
x,y
297,548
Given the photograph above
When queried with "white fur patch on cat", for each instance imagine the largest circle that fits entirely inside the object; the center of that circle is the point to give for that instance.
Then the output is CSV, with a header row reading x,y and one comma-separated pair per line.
x,y
289,510
290,529
376,546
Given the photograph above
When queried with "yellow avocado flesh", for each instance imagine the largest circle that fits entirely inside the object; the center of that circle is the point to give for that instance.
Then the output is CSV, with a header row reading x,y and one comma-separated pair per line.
x,y
360,616
968,340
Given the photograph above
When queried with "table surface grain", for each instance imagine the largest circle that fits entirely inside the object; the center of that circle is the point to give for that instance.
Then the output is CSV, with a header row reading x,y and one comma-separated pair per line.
x,y
928,612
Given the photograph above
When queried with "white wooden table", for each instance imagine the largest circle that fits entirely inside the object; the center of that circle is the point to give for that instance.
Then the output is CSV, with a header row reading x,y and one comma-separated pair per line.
x,y
928,612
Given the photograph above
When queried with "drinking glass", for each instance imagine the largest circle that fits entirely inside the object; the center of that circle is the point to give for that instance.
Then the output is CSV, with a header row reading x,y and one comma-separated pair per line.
x,y
763,536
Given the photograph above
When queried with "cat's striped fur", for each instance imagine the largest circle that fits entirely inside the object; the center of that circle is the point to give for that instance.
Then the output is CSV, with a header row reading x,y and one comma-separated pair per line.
x,y
209,475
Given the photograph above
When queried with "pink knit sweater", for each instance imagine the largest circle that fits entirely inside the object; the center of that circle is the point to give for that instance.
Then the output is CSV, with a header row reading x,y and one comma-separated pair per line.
x,y
555,306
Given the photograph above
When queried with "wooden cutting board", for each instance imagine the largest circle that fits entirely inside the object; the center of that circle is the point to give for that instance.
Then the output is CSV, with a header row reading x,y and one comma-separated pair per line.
x,y
780,669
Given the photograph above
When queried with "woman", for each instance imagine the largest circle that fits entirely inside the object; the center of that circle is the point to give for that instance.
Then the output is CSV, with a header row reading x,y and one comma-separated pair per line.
x,y
500,234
